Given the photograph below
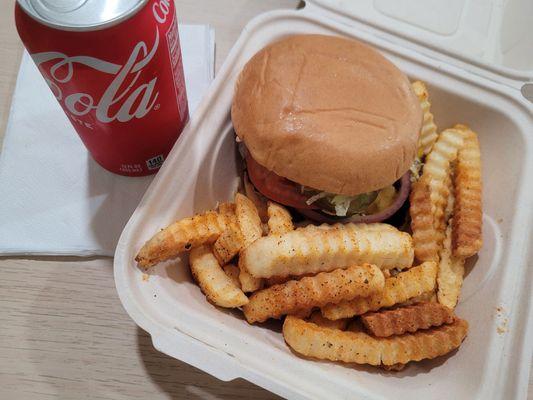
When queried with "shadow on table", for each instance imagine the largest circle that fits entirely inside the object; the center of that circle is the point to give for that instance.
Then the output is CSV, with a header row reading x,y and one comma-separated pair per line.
x,y
182,381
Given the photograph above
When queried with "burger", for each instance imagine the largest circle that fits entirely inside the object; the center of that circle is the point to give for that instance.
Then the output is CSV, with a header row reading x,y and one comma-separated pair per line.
x,y
327,126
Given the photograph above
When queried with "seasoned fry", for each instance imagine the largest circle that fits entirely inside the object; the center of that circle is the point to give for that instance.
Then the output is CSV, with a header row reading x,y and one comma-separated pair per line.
x,y
276,280
315,291
323,343
232,271
182,236
428,133
317,319
248,282
468,211
407,319
229,243
434,184
429,296
437,172
425,244
279,219
216,285
451,273
314,249
250,226
248,219
257,198
402,287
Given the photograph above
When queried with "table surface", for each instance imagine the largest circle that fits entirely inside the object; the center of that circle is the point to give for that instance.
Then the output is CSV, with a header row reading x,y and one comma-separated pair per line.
x,y
63,331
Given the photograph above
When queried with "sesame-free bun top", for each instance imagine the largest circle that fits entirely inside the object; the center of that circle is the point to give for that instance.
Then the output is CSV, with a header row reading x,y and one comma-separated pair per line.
x,y
329,113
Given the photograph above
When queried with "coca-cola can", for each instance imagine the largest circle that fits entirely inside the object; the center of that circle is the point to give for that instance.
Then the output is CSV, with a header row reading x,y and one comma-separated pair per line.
x,y
115,67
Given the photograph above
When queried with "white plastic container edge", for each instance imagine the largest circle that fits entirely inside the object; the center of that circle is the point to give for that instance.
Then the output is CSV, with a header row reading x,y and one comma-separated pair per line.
x,y
230,350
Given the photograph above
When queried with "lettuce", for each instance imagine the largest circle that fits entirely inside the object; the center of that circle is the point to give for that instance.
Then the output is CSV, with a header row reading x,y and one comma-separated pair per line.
x,y
340,205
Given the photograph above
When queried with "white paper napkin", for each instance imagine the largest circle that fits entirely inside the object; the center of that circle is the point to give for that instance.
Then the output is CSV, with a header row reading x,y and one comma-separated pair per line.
x,y
54,199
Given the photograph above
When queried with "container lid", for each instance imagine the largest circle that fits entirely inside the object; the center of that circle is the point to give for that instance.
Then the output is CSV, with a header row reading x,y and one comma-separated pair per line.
x,y
80,14
492,37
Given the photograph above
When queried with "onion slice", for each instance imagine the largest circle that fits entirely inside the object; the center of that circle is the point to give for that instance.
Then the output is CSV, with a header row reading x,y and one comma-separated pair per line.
x,y
403,194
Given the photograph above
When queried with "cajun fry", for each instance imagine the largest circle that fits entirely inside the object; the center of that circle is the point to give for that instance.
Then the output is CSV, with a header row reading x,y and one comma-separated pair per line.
x,y
428,133
324,343
181,236
407,319
429,296
315,291
313,249
229,243
468,211
248,219
216,285
250,226
426,247
451,273
279,219
317,318
402,287
232,271
248,282
432,189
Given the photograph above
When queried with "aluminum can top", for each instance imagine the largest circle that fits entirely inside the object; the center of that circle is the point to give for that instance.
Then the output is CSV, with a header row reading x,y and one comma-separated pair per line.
x,y
80,15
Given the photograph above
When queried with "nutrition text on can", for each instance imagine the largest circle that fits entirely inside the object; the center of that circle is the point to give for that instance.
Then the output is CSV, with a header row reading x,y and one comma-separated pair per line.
x,y
117,72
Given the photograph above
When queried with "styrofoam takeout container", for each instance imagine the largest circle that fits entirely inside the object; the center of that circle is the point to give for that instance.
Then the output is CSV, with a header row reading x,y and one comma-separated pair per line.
x,y
202,169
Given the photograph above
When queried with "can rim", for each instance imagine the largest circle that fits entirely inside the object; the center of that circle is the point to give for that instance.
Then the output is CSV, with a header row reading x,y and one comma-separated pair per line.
x,y
81,28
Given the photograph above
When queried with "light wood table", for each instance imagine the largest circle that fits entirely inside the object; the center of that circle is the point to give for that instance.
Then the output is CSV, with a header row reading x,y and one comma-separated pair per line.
x,y
63,331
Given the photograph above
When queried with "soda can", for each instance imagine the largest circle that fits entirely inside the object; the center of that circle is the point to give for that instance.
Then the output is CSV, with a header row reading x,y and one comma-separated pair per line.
x,y
116,69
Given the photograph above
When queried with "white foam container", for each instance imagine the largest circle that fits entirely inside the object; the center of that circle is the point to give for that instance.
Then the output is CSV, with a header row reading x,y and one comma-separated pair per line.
x,y
202,169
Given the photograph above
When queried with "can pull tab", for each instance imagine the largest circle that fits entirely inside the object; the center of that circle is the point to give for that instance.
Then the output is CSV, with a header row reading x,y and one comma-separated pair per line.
x,y
527,91
60,6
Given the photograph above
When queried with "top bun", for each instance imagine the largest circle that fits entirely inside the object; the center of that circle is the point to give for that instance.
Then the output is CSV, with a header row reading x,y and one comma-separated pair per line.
x,y
329,113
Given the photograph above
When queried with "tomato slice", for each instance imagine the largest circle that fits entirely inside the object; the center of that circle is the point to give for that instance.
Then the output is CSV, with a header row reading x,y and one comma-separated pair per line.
x,y
275,187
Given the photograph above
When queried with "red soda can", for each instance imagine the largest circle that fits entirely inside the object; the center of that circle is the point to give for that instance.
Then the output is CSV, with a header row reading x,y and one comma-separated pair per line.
x,y
115,67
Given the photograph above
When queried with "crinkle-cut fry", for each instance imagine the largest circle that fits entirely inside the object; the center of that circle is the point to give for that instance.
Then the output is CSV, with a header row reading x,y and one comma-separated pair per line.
x,y
312,340
468,211
400,288
215,284
279,219
251,229
450,274
181,236
248,282
315,249
398,321
317,319
232,271
433,188
276,280
257,198
428,133
248,219
437,170
424,241
430,296
229,243
373,227
314,291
